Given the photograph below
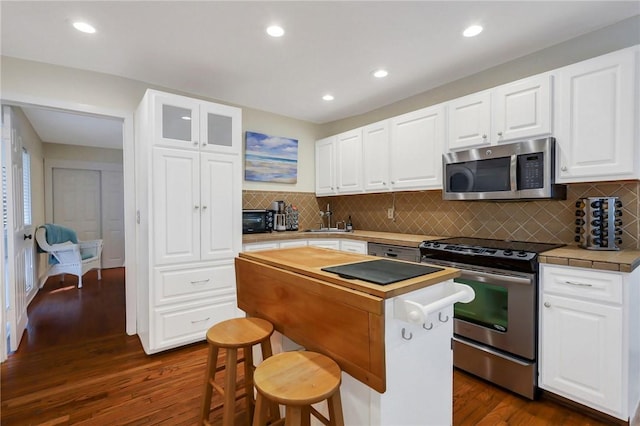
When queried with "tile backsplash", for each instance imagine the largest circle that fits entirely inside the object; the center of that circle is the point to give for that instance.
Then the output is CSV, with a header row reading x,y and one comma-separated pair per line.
x,y
425,212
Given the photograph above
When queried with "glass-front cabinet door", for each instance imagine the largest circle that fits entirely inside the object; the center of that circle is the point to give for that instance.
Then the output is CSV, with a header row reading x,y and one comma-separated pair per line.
x,y
220,128
177,119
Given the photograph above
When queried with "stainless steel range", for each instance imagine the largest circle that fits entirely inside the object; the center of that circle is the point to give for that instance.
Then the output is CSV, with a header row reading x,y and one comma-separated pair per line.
x,y
495,336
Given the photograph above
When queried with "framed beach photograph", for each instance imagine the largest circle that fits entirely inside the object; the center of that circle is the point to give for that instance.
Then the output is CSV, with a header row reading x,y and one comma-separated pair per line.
x,y
271,158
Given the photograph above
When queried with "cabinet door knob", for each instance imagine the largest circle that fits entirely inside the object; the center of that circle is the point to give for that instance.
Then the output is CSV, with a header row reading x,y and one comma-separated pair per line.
x,y
204,207
547,304
500,134
563,168
484,136
196,207
195,143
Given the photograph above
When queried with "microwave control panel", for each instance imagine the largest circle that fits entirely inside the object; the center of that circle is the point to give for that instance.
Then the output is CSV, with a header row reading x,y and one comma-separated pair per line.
x,y
531,171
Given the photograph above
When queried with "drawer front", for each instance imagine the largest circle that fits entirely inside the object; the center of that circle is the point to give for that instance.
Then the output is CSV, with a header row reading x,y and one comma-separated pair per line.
x,y
182,284
188,324
584,283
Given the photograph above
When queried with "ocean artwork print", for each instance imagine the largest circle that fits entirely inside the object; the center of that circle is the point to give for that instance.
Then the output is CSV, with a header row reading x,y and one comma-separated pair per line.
x,y
271,158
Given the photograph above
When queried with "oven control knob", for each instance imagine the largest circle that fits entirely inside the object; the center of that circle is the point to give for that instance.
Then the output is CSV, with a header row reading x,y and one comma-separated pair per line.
x,y
436,244
522,254
507,252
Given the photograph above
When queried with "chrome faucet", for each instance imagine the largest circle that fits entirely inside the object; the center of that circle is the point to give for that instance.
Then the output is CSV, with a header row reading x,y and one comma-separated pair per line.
x,y
326,214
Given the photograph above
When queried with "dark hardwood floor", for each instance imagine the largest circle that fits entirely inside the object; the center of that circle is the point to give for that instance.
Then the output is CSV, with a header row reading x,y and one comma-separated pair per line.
x,y
76,365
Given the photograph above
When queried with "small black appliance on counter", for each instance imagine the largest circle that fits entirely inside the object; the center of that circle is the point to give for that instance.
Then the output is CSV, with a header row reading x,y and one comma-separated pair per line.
x,y
598,223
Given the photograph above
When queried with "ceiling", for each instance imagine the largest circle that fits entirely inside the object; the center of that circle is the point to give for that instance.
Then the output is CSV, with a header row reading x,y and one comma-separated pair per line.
x,y
219,49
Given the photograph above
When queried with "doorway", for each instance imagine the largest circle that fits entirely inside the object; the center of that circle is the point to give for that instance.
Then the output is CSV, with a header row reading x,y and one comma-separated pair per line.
x,y
126,120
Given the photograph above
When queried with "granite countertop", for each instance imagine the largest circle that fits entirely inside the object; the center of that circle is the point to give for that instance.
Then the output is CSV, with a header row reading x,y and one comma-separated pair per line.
x,y
571,255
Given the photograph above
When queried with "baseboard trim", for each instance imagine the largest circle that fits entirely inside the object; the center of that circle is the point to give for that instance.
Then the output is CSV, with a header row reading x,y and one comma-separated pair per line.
x,y
587,411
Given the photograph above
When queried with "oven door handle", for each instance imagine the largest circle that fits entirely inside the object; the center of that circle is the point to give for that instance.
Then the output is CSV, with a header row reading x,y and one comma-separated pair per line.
x,y
491,278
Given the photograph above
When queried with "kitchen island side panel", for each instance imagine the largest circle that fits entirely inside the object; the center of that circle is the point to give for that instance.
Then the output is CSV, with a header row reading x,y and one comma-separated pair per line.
x,y
345,325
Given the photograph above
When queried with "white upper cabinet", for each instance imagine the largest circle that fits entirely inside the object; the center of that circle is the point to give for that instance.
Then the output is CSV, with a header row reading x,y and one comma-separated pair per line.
x,y
326,166
349,162
514,111
417,141
469,121
187,123
522,109
339,164
375,148
597,119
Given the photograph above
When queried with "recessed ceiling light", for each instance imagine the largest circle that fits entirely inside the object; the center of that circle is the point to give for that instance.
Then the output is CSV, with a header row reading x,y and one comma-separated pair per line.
x,y
472,31
328,97
380,73
275,31
84,27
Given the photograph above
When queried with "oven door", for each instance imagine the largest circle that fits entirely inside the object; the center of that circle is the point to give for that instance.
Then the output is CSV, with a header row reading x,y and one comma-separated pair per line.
x,y
503,313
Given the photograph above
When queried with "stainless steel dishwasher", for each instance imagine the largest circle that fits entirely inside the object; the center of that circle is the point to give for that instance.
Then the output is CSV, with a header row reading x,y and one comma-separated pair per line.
x,y
411,254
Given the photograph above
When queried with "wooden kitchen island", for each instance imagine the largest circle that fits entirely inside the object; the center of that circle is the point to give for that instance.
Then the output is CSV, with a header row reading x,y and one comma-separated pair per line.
x,y
397,366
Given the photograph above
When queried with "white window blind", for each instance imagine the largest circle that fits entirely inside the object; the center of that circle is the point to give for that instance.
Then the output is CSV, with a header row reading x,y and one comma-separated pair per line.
x,y
26,185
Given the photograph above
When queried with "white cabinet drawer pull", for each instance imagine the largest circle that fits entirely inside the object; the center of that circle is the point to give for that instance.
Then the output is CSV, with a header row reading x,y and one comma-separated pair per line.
x,y
202,320
201,282
578,284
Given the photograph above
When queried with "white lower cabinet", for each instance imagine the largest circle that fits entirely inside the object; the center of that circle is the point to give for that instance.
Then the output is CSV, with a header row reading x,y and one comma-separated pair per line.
x,y
330,244
353,246
293,243
589,337
176,325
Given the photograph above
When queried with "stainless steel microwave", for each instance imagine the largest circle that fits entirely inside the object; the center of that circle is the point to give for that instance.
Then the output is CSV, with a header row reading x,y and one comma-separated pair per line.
x,y
257,221
521,170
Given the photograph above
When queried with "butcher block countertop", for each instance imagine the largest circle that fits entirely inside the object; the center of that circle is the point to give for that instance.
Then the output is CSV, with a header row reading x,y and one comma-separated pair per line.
x,y
309,261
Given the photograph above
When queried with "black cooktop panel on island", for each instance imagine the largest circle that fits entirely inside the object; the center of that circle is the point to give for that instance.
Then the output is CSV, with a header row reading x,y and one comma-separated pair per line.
x,y
382,271
502,254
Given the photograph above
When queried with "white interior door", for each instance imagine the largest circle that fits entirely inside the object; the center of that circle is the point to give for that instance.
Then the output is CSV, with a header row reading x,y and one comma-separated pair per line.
x,y
76,201
18,254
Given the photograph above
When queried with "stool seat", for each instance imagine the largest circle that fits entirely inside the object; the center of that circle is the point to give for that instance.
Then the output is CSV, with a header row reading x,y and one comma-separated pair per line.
x,y
239,332
297,380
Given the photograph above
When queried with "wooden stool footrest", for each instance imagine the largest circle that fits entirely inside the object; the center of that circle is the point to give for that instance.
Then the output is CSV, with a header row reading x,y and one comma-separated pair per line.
x,y
318,415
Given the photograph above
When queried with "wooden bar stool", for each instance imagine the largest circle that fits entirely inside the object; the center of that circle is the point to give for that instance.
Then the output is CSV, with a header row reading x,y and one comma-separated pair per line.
x,y
297,380
232,335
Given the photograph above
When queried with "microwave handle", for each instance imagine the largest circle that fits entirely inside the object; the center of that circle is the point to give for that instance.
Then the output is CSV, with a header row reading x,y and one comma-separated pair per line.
x,y
513,173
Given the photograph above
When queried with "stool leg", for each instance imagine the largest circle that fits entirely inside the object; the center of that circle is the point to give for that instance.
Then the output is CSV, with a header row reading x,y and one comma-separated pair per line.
x,y
335,409
248,380
212,363
260,414
231,366
294,416
273,408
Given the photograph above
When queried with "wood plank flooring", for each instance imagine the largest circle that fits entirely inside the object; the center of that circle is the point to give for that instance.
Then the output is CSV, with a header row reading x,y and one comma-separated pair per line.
x,y
77,366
